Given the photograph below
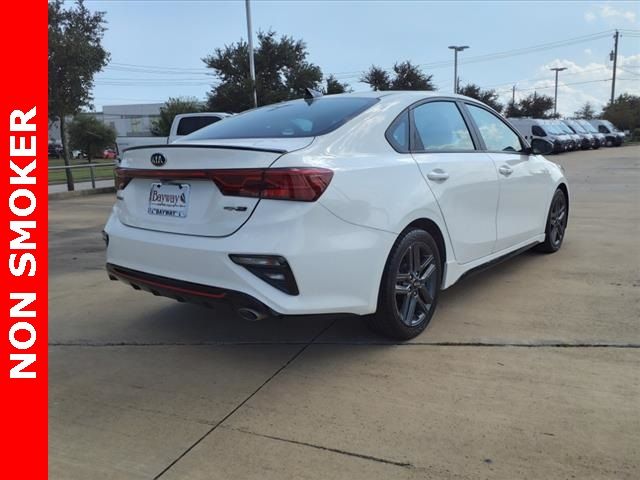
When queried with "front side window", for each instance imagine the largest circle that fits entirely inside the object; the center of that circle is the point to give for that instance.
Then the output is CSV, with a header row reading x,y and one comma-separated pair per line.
x,y
495,133
296,118
440,126
538,132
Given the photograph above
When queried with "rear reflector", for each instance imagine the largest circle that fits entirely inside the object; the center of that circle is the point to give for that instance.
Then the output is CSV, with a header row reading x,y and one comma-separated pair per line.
x,y
298,184
273,269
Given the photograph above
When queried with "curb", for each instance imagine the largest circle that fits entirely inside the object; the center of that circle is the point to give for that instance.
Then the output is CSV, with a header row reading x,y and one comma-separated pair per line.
x,y
81,193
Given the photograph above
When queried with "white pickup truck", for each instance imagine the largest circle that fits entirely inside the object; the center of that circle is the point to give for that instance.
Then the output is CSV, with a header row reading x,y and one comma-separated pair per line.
x,y
182,125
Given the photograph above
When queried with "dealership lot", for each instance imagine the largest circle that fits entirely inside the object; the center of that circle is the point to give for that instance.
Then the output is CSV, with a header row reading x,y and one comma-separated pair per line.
x,y
528,370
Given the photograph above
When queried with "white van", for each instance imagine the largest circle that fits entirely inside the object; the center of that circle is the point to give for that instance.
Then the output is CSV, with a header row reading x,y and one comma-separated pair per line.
x,y
531,128
614,137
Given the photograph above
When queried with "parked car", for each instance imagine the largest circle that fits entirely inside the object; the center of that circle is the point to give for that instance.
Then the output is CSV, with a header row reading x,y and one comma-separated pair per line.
x,y
601,139
79,154
55,150
182,125
531,128
587,140
360,203
613,136
109,153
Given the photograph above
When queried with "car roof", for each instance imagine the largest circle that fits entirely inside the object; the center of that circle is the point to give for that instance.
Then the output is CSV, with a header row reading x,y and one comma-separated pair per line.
x,y
406,96
416,94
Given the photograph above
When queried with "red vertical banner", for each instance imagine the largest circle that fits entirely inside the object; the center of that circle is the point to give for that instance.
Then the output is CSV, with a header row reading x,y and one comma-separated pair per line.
x,y
24,139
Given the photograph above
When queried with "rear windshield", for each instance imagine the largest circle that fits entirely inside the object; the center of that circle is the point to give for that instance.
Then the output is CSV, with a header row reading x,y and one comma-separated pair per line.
x,y
189,125
297,118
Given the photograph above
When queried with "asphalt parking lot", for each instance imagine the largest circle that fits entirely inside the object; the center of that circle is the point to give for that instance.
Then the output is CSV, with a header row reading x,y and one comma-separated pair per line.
x,y
528,370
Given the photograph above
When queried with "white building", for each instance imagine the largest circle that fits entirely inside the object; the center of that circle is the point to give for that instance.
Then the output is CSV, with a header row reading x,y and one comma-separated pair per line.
x,y
128,120
131,120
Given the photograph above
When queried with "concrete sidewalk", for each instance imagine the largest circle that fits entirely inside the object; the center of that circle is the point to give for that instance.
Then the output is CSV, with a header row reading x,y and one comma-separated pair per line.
x,y
62,187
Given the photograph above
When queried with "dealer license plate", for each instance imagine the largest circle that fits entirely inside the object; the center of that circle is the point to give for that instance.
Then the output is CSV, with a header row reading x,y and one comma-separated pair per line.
x,y
169,199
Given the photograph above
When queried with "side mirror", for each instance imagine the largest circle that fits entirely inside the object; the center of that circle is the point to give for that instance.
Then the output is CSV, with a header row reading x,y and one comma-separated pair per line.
x,y
541,147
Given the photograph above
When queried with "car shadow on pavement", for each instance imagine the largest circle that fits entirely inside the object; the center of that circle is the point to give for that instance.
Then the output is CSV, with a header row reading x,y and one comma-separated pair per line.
x,y
191,324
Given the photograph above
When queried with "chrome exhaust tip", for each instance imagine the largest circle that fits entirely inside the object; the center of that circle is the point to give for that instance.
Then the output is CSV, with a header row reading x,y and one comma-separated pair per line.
x,y
251,315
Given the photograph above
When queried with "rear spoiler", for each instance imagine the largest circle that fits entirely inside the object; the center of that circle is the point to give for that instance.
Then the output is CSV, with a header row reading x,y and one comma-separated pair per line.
x,y
227,147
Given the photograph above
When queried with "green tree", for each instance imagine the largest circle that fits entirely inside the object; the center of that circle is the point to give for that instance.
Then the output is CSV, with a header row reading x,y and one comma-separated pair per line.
x,y
75,56
406,77
377,78
172,107
488,97
512,110
587,112
624,112
335,86
282,73
90,135
536,106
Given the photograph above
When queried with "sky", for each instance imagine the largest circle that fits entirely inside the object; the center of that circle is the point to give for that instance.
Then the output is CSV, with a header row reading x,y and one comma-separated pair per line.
x,y
157,46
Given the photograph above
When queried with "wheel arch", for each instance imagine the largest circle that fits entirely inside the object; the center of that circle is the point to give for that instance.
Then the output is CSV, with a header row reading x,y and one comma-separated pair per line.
x,y
434,230
563,186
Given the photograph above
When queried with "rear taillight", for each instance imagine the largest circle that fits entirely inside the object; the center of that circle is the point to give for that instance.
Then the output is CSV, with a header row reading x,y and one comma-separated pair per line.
x,y
122,178
298,184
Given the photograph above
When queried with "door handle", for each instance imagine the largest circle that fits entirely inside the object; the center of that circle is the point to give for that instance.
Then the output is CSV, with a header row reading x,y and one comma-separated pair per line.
x,y
437,175
505,170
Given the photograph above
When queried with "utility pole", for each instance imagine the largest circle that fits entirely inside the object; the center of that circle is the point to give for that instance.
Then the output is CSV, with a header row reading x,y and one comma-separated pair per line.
x,y
614,54
513,95
456,49
252,68
555,98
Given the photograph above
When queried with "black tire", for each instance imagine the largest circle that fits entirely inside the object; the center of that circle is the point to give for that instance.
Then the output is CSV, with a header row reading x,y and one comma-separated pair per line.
x,y
409,288
556,223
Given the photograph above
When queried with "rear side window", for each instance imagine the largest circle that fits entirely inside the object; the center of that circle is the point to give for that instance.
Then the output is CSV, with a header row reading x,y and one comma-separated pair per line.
x,y
189,125
497,136
440,126
398,133
297,118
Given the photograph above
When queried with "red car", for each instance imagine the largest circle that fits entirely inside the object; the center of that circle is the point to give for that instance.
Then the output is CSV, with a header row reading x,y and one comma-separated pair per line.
x,y
109,153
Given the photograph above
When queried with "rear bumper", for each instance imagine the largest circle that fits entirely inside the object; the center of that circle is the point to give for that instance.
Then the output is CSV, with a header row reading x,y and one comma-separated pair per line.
x,y
337,265
184,291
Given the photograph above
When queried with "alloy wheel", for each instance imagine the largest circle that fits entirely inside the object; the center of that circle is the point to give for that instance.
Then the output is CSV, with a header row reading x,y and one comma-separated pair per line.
x,y
558,219
415,284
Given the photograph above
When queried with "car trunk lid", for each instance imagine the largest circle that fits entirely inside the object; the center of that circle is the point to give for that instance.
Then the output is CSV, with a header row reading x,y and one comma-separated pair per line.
x,y
170,188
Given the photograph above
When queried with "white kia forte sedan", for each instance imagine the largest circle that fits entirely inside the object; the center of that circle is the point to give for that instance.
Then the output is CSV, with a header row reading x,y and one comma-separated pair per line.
x,y
361,203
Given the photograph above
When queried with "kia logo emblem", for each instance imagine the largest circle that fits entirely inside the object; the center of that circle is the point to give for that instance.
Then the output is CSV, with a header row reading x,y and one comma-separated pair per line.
x,y
158,159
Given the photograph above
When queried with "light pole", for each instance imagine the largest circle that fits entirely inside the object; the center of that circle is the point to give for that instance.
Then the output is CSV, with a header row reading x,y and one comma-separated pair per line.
x,y
555,97
456,49
252,69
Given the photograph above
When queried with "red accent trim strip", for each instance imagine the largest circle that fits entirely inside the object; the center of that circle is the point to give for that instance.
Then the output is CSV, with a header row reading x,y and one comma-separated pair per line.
x,y
170,287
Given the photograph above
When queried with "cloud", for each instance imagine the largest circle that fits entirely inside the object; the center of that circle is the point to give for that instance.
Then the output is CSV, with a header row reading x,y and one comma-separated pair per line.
x,y
581,83
610,14
588,51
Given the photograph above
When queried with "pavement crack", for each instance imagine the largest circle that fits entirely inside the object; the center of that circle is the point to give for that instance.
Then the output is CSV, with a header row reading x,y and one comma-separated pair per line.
x,y
241,404
327,449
